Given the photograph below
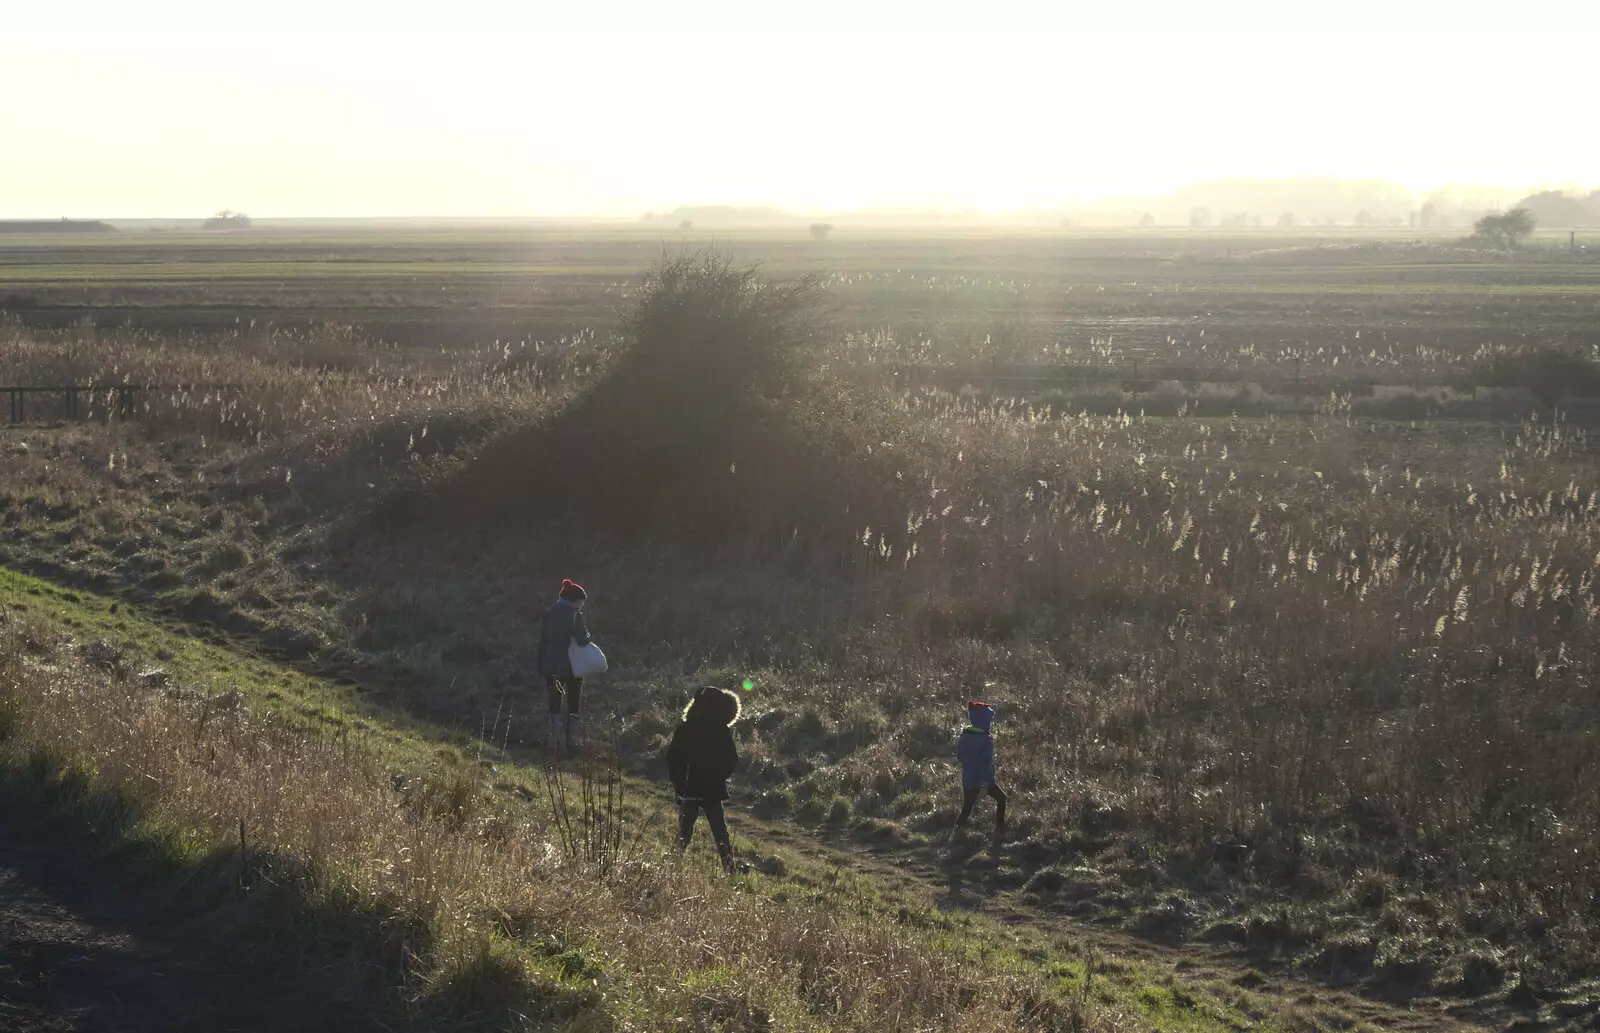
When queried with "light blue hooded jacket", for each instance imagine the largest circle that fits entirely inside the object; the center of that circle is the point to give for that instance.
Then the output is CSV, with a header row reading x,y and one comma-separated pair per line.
x,y
975,749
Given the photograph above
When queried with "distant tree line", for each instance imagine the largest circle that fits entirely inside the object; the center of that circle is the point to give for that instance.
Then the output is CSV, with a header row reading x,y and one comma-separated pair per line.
x,y
51,226
1329,202
1560,210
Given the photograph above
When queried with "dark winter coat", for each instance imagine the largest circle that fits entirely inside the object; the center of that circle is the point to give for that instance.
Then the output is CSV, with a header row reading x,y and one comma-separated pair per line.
x,y
560,626
975,750
702,756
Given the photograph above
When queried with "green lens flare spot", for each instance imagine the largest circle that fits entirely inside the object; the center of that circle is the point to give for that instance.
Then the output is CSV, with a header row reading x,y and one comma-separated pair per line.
x,y
748,685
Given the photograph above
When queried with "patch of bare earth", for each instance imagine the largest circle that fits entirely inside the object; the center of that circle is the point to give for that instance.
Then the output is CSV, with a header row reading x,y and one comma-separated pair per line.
x,y
82,951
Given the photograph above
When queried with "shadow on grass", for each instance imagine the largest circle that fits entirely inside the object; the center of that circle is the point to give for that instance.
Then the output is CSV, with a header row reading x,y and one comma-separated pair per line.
x,y
251,936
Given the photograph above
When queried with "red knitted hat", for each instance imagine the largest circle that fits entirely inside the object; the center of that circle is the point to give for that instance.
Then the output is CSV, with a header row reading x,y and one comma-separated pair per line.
x,y
973,704
572,590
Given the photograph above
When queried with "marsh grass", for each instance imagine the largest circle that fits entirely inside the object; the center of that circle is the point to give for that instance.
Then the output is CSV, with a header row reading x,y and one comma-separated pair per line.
x,y
1259,661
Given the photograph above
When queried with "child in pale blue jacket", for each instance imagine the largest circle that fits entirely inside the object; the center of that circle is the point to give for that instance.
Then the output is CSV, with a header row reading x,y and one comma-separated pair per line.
x,y
975,750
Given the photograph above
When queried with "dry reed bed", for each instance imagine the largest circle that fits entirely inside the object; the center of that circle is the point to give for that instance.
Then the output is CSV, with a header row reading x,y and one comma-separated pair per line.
x,y
1352,646
1361,651
474,887
263,384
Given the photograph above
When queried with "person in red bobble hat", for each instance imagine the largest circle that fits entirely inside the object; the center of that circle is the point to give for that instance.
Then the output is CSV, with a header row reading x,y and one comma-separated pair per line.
x,y
561,625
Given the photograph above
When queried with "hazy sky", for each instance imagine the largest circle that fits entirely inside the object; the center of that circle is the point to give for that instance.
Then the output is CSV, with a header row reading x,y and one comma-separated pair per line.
x,y
469,107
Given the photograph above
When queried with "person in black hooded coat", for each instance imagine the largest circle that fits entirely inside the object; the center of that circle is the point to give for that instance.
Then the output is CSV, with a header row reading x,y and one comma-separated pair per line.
x,y
700,759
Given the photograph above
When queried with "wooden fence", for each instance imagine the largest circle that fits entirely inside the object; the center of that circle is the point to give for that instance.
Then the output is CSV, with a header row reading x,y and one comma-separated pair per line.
x,y
78,401
1138,377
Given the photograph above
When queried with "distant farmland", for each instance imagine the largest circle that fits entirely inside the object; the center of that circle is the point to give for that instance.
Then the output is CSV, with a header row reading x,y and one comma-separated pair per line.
x,y
939,297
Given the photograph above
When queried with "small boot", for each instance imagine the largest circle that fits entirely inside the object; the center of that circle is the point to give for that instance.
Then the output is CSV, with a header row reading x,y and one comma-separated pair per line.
x,y
725,850
574,731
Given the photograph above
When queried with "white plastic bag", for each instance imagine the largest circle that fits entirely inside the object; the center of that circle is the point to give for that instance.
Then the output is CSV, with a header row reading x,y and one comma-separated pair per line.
x,y
586,660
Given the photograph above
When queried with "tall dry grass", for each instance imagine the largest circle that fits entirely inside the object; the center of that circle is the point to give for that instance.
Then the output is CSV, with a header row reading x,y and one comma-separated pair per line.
x,y
268,384
470,911
1342,650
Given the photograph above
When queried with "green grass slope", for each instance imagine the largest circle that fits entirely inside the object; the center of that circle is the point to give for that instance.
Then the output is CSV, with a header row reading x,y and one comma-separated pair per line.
x,y
484,938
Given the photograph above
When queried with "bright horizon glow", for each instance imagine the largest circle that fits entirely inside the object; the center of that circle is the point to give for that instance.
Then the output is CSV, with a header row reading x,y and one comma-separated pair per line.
x,y
177,108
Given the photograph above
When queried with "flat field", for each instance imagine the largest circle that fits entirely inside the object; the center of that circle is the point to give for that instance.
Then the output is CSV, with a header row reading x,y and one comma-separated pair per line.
x,y
1394,303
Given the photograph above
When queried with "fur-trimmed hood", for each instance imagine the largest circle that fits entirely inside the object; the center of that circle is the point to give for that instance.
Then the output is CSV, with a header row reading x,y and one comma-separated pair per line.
x,y
713,706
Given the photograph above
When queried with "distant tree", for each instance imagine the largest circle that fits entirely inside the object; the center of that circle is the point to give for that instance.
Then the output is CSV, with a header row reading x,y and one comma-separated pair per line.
x,y
1236,220
227,219
1147,220
1287,219
820,231
687,224
1516,224
1364,218
1428,215
1200,217
1506,228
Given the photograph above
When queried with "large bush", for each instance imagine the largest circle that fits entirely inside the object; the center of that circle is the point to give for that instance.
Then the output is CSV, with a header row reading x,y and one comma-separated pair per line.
x,y
1551,373
708,333
714,421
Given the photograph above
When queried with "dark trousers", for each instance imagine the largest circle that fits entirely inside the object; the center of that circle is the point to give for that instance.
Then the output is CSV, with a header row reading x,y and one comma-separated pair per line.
x,y
969,797
571,688
689,810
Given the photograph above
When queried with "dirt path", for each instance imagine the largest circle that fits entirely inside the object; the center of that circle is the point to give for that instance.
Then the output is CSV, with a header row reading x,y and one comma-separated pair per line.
x,y
82,951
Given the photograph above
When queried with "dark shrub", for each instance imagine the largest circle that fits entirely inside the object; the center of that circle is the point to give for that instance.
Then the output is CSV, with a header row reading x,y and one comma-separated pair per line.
x,y
712,423
1551,373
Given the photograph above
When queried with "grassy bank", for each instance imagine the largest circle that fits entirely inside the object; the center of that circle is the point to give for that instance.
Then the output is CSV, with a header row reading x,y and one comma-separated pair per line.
x,y
426,875
448,901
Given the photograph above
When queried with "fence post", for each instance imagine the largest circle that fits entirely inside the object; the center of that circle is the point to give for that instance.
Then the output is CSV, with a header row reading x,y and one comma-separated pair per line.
x,y
1299,390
